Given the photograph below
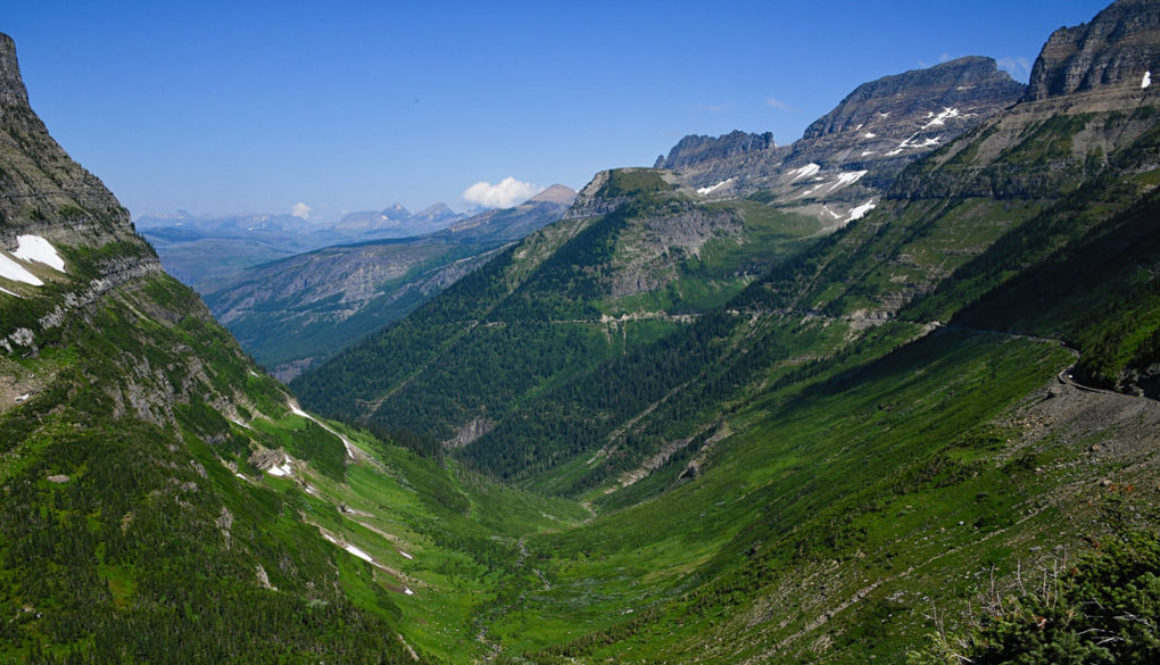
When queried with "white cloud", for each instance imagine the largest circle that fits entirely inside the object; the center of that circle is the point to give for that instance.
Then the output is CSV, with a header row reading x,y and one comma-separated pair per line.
x,y
778,104
504,194
1019,68
300,210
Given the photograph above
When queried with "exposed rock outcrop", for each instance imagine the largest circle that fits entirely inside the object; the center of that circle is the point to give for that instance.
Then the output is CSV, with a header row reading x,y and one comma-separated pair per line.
x,y
1113,53
694,148
969,82
12,90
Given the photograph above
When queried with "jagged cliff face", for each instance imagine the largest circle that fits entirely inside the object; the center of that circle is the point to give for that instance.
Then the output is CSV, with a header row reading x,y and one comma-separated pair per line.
x,y
65,240
696,148
1114,54
42,190
965,83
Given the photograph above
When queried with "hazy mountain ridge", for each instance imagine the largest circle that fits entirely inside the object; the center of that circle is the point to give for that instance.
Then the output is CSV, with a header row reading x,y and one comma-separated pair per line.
x,y
206,252
293,313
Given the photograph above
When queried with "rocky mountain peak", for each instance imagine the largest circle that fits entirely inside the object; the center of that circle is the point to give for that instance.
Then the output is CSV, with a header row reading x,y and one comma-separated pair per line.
x,y
435,212
967,82
1116,50
12,91
45,192
697,148
555,194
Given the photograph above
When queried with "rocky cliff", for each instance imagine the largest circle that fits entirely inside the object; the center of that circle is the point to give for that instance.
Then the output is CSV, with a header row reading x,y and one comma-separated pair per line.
x,y
1116,52
698,148
967,83
63,235
42,190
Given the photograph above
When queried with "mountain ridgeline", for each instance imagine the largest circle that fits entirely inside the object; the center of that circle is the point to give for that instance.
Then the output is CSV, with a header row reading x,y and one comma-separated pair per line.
x,y
886,394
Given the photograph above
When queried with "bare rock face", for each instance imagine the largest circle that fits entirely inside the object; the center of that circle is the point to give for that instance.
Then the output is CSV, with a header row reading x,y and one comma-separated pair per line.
x,y
693,149
967,82
12,91
42,190
1115,52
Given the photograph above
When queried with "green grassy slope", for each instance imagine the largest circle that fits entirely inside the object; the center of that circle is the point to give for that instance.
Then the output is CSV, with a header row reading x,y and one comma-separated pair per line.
x,y
554,306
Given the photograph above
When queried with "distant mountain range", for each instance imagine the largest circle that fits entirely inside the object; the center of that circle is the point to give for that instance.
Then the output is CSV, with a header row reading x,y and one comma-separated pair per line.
x,y
295,312
205,251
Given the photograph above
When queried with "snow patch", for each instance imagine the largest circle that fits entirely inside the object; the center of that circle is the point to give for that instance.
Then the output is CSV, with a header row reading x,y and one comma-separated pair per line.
x,y
1147,82
804,171
36,248
284,470
940,120
405,555
407,590
330,538
241,476
846,179
709,190
860,211
869,135
359,553
866,153
4,290
12,270
22,398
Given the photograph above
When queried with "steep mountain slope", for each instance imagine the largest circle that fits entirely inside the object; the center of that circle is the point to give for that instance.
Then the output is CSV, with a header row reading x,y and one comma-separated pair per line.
x,y
807,467
643,253
584,289
1001,199
886,426
295,313
162,501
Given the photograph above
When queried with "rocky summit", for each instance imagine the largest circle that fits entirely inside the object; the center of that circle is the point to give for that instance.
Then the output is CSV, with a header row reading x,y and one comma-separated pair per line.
x,y
1115,53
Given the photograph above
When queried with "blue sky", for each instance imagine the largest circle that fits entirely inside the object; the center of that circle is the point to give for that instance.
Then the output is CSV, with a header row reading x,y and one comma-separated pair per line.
x,y
219,107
